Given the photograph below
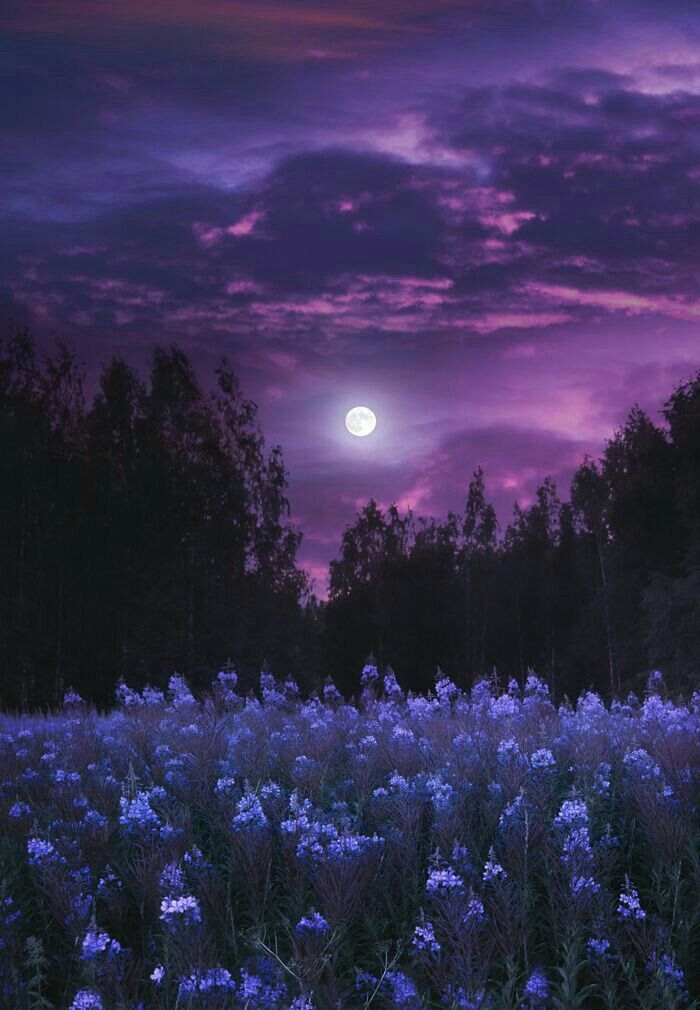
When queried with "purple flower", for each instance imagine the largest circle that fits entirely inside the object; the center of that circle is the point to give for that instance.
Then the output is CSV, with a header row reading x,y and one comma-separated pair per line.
x,y
250,815
583,887
424,938
474,912
87,999
312,923
542,759
444,881
370,675
668,972
184,909
258,992
628,906
536,991
640,764
493,870
42,853
137,815
96,942
509,751
598,948
211,980
403,989
573,814
302,1002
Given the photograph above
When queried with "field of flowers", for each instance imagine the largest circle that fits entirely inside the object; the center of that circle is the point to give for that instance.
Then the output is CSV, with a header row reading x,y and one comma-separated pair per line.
x,y
461,850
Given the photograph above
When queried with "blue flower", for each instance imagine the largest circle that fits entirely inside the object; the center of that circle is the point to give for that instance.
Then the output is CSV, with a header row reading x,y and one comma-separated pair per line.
x,y
573,814
370,675
18,810
424,938
250,815
670,974
628,906
536,990
216,980
303,1002
258,992
183,909
598,948
542,759
42,853
137,815
403,989
87,999
493,870
444,881
96,942
312,923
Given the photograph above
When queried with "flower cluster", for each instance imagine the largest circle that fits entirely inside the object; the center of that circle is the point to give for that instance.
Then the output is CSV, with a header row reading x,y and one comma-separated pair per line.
x,y
230,851
183,910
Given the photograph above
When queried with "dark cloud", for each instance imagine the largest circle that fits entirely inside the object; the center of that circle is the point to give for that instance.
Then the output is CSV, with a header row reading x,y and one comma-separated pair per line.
x,y
484,216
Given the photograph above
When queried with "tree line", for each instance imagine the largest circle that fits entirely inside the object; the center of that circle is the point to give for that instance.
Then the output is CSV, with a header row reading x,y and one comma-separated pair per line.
x,y
593,592
149,532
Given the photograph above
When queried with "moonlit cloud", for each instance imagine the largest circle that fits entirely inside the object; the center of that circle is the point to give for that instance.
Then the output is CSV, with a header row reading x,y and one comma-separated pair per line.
x,y
482,219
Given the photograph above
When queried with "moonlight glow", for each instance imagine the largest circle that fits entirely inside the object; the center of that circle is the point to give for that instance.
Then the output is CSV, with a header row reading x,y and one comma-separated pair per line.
x,y
360,421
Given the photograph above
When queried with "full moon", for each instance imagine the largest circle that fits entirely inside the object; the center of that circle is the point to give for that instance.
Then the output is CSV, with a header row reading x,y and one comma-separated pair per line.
x,y
360,421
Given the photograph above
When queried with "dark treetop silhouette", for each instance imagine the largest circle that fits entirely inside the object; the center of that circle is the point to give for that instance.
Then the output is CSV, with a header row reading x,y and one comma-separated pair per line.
x,y
150,533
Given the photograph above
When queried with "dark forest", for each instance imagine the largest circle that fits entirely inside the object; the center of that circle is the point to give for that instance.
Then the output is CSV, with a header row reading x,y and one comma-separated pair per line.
x,y
148,532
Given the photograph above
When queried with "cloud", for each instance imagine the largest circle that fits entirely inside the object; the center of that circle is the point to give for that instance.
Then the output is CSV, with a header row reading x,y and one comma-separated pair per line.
x,y
483,215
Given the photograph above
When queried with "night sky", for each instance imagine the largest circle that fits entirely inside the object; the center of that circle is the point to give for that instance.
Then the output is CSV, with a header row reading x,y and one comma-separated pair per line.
x,y
481,219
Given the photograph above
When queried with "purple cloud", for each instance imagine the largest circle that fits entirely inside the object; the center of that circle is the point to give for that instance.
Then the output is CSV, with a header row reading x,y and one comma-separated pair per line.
x,y
481,219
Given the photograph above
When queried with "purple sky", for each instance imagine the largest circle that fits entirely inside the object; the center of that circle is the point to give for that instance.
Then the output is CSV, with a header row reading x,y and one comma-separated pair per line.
x,y
481,219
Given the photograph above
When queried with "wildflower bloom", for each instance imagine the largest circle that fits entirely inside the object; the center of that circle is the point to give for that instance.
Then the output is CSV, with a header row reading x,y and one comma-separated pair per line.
x,y
536,990
424,938
509,751
493,870
250,815
628,906
137,815
303,1002
19,810
514,814
184,909
474,912
403,990
260,993
573,814
444,881
158,974
598,948
211,980
87,999
669,973
542,759
640,764
370,675
41,852
582,886
96,942
312,923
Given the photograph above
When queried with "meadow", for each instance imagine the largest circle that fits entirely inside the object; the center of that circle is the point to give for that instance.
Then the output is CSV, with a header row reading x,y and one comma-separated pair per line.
x,y
480,849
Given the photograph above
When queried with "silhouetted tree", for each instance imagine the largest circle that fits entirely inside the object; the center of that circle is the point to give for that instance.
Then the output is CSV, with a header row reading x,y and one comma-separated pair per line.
x,y
148,534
